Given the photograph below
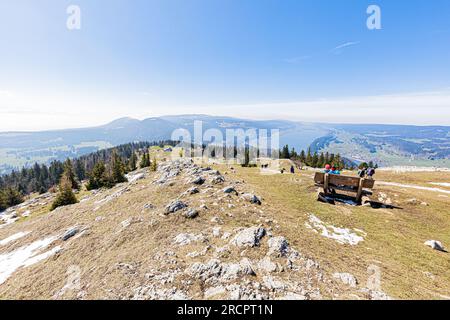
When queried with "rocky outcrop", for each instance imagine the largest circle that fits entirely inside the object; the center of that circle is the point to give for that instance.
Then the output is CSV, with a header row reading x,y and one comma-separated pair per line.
x,y
249,237
278,246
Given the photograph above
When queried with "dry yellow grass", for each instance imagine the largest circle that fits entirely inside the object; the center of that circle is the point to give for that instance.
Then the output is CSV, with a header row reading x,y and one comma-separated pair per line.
x,y
394,240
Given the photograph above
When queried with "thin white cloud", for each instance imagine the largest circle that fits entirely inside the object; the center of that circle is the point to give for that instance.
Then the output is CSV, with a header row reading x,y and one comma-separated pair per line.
x,y
341,47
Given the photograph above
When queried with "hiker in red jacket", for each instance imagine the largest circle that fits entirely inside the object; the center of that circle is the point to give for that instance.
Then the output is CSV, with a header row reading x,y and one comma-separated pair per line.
x,y
327,169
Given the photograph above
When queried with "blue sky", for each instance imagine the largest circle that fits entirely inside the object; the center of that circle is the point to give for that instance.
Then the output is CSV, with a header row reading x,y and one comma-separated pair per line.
x,y
291,59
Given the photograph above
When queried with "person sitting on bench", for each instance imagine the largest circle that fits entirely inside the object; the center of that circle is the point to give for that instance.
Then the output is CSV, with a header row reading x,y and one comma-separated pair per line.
x,y
362,173
327,169
334,170
370,173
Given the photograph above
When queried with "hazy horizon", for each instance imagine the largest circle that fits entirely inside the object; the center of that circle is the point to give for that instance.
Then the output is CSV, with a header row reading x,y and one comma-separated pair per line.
x,y
212,115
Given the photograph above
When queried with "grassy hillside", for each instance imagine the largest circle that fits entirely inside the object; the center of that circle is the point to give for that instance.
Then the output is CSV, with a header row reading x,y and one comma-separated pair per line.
x,y
126,249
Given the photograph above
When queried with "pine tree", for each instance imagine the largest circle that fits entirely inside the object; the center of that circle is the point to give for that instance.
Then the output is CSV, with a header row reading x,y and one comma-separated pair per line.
x,y
97,178
309,158
285,152
338,163
9,197
293,153
363,165
327,158
70,175
117,169
65,194
145,161
80,171
303,156
132,165
331,161
315,160
321,163
153,165
246,158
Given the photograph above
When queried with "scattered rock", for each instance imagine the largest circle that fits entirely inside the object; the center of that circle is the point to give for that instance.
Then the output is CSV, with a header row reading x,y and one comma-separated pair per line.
x,y
230,190
215,270
249,237
191,214
223,251
376,295
413,202
247,267
214,291
226,235
26,214
186,238
198,181
436,245
218,180
251,198
216,232
149,206
294,296
192,191
70,233
278,246
175,206
346,278
216,219
126,223
266,265
273,283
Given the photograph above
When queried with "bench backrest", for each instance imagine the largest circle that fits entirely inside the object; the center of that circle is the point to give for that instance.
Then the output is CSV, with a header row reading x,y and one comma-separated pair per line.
x,y
339,180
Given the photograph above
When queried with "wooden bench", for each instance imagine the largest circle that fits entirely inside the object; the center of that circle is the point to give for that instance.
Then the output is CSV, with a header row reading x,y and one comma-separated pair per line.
x,y
349,185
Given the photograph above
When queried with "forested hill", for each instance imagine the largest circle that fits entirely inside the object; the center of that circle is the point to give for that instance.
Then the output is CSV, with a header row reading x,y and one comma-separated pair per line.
x,y
386,145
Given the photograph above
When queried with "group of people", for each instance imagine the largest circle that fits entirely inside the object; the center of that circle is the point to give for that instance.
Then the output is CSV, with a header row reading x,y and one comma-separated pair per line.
x,y
362,173
331,170
366,173
292,170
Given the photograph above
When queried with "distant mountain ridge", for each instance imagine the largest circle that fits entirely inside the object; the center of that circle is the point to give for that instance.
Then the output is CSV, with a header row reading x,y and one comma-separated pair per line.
x,y
385,144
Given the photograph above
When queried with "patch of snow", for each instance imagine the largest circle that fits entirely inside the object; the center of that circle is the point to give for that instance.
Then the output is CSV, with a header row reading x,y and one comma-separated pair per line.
x,y
25,256
135,177
394,184
341,235
441,184
14,237
401,169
